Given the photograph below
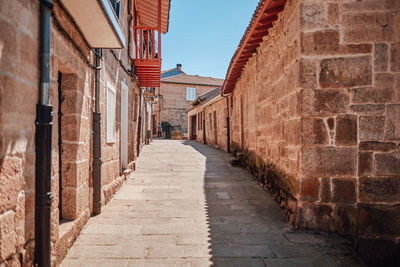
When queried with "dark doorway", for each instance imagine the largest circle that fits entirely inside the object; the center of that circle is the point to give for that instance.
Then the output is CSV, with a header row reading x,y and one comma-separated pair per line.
x,y
155,124
193,127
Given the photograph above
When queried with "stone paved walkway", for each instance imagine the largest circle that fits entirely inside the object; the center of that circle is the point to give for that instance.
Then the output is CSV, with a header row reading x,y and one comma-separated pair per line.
x,y
185,206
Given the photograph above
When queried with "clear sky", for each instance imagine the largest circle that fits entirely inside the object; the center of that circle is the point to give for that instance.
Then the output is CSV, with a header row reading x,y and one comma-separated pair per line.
x,y
204,34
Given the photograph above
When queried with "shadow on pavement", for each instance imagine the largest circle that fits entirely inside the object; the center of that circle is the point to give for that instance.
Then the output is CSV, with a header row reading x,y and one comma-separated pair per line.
x,y
248,228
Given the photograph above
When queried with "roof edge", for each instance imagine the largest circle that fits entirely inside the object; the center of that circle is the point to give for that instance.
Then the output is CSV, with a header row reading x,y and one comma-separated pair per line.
x,y
256,30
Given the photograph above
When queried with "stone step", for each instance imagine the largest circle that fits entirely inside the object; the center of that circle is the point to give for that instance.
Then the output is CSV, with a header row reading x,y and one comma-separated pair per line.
x,y
236,162
126,172
239,155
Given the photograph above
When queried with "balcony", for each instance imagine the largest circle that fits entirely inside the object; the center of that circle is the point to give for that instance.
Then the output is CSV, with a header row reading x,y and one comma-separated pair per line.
x,y
98,21
147,58
151,20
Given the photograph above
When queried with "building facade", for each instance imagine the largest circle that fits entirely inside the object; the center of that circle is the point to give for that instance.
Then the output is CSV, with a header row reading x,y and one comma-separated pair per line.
x,y
314,110
208,119
178,90
90,121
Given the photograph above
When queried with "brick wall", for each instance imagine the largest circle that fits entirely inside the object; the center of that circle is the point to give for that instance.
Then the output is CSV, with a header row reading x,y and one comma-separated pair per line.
x,y
316,113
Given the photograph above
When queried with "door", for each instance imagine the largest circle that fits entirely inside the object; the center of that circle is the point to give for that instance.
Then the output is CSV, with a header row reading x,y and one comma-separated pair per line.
x,y
155,125
124,125
193,128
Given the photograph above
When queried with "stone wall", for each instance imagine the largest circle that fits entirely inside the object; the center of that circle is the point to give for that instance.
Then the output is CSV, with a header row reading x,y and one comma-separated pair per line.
x,y
19,78
316,115
173,105
213,115
351,121
266,113
72,97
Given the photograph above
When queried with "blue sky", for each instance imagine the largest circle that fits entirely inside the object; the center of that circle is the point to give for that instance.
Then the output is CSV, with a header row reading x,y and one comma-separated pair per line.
x,y
203,34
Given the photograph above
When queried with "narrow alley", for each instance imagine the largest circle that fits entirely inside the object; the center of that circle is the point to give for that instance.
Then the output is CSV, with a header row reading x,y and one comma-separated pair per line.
x,y
186,206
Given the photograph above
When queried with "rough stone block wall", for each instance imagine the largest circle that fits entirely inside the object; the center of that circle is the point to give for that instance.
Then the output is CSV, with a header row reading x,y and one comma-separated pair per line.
x,y
173,103
19,78
316,113
350,121
266,114
216,136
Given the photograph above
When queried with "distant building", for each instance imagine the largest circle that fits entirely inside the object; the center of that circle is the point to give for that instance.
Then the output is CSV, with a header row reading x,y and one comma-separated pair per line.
x,y
207,119
177,92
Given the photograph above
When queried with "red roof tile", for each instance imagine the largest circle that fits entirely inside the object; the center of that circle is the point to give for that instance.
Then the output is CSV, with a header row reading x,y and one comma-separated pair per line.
x,y
263,17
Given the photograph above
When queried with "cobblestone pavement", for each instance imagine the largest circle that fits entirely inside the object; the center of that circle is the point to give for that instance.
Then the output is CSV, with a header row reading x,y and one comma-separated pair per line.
x,y
185,206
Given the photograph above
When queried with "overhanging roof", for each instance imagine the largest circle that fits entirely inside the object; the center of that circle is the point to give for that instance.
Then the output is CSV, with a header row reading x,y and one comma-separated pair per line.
x,y
97,22
207,95
263,17
147,11
193,79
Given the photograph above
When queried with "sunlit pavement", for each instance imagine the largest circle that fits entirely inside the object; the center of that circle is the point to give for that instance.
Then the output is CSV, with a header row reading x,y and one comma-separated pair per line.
x,y
185,206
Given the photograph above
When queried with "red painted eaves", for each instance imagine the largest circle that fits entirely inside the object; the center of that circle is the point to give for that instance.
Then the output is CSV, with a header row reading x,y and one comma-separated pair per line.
x,y
263,17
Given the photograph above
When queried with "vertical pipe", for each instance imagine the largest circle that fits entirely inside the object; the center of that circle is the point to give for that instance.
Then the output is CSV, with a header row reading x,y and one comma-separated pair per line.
x,y
97,161
59,116
43,143
146,124
151,122
139,123
204,127
228,128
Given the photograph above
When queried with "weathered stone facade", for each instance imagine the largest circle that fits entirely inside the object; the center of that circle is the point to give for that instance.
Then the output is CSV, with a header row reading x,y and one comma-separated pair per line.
x,y
173,103
211,121
316,117
72,97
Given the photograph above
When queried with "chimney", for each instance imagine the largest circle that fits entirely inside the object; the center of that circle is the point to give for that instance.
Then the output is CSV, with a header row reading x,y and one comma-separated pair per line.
x,y
179,66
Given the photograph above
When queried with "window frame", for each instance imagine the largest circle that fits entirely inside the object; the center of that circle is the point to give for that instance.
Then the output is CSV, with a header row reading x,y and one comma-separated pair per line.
x,y
116,6
189,92
111,137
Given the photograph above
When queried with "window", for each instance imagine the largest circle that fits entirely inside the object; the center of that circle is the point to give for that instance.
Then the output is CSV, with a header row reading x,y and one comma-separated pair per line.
x,y
116,4
190,94
111,116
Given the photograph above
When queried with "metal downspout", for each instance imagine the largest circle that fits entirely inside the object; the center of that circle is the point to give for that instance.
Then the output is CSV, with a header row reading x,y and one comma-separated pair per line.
x,y
146,124
228,128
139,123
204,127
151,122
43,143
97,161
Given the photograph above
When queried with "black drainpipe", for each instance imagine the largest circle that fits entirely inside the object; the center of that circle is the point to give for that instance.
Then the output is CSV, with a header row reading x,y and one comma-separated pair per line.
x,y
204,127
139,123
228,127
97,161
43,143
